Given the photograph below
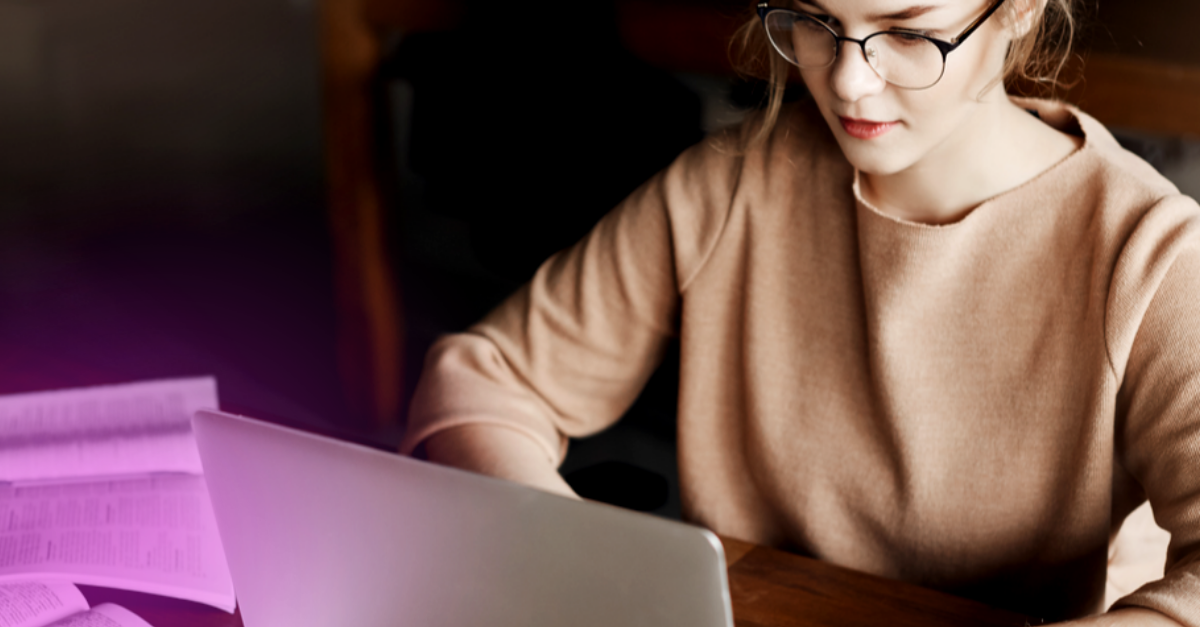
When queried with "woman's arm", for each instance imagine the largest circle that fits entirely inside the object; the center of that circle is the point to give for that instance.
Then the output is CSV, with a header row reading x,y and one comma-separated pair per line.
x,y
1128,617
498,452
1158,432
566,354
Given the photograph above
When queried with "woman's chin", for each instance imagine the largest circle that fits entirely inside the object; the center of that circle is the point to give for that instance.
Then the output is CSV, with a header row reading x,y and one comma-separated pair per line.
x,y
879,155
875,159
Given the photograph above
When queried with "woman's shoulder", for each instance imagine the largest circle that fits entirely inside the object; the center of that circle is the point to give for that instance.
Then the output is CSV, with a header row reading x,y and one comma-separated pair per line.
x,y
797,132
767,161
1134,185
1104,161
744,161
1114,186
732,175
1139,215
762,164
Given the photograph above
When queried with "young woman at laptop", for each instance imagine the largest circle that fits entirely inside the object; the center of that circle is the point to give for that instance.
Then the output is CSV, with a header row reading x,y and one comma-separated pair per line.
x,y
927,330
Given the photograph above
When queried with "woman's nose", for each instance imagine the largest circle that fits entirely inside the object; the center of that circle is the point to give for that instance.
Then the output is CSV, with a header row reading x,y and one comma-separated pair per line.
x,y
852,77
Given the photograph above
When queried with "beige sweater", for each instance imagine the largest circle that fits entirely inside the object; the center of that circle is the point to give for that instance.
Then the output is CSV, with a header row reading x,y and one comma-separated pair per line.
x,y
972,407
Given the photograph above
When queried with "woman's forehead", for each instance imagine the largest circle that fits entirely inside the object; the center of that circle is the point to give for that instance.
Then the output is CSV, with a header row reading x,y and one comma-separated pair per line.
x,y
888,10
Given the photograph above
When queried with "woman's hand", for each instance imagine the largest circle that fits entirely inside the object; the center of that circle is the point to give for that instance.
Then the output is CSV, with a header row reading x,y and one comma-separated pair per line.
x,y
497,452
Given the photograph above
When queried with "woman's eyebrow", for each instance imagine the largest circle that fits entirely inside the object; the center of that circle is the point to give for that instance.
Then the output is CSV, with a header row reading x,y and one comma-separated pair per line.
x,y
912,12
906,14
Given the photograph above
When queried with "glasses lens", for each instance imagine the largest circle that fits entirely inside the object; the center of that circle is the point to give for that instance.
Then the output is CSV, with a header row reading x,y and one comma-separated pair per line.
x,y
905,60
801,40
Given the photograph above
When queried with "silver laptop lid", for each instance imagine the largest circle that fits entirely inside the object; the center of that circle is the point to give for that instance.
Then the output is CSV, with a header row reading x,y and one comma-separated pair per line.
x,y
319,532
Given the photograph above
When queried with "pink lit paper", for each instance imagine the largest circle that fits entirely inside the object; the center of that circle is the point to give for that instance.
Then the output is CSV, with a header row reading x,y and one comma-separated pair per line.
x,y
108,430
102,486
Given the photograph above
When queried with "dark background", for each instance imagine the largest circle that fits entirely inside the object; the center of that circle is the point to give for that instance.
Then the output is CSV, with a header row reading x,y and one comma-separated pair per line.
x,y
162,208
161,199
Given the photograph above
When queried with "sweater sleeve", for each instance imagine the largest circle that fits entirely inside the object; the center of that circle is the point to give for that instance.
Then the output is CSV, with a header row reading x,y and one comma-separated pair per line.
x,y
1159,438
568,353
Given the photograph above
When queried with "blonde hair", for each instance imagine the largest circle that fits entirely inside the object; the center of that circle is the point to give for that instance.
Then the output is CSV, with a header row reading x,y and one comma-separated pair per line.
x,y
1035,59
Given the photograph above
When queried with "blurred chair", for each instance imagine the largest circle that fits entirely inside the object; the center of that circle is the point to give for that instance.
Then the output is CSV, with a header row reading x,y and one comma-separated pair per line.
x,y
371,329
354,35
358,57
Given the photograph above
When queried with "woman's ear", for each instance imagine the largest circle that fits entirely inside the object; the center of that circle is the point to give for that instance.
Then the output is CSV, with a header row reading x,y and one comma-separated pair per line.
x,y
1024,16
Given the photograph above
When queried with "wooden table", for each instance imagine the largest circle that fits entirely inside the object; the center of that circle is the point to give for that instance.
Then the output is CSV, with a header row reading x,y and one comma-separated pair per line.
x,y
770,588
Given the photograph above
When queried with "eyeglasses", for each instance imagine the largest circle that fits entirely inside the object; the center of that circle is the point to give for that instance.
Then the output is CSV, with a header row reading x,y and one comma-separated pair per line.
x,y
905,59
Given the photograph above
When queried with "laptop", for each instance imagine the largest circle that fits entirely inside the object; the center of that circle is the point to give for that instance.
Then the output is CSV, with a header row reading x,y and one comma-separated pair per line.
x,y
320,532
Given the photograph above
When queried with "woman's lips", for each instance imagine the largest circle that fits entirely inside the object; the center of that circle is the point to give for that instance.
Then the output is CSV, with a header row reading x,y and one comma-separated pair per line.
x,y
865,129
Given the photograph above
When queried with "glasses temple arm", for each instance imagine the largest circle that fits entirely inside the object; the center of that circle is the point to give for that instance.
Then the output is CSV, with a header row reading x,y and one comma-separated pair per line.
x,y
974,25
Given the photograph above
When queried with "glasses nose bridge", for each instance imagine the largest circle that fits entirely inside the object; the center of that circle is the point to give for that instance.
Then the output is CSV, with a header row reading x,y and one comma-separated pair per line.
x,y
862,47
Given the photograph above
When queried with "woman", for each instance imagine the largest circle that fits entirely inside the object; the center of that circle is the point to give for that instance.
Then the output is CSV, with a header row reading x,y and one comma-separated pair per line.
x,y
927,330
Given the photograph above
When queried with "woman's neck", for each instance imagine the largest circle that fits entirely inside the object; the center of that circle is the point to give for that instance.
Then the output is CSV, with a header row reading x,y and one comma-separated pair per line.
x,y
999,148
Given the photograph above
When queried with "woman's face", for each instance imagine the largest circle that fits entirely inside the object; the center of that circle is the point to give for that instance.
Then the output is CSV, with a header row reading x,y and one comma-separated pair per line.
x,y
884,129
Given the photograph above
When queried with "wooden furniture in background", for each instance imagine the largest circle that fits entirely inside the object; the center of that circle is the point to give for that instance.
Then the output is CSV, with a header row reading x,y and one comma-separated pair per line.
x,y
682,36
370,323
1139,93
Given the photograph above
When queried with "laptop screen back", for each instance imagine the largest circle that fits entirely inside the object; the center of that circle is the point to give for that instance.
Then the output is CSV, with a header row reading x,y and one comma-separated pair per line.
x,y
321,532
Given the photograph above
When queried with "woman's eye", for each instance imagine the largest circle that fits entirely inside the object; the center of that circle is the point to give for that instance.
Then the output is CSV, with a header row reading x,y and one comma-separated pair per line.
x,y
909,36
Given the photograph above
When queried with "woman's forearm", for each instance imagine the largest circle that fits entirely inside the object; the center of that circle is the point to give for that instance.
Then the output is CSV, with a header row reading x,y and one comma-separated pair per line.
x,y
498,452
1128,617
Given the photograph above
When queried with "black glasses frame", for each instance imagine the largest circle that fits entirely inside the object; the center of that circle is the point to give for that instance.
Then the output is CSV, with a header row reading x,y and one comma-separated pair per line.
x,y
945,47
